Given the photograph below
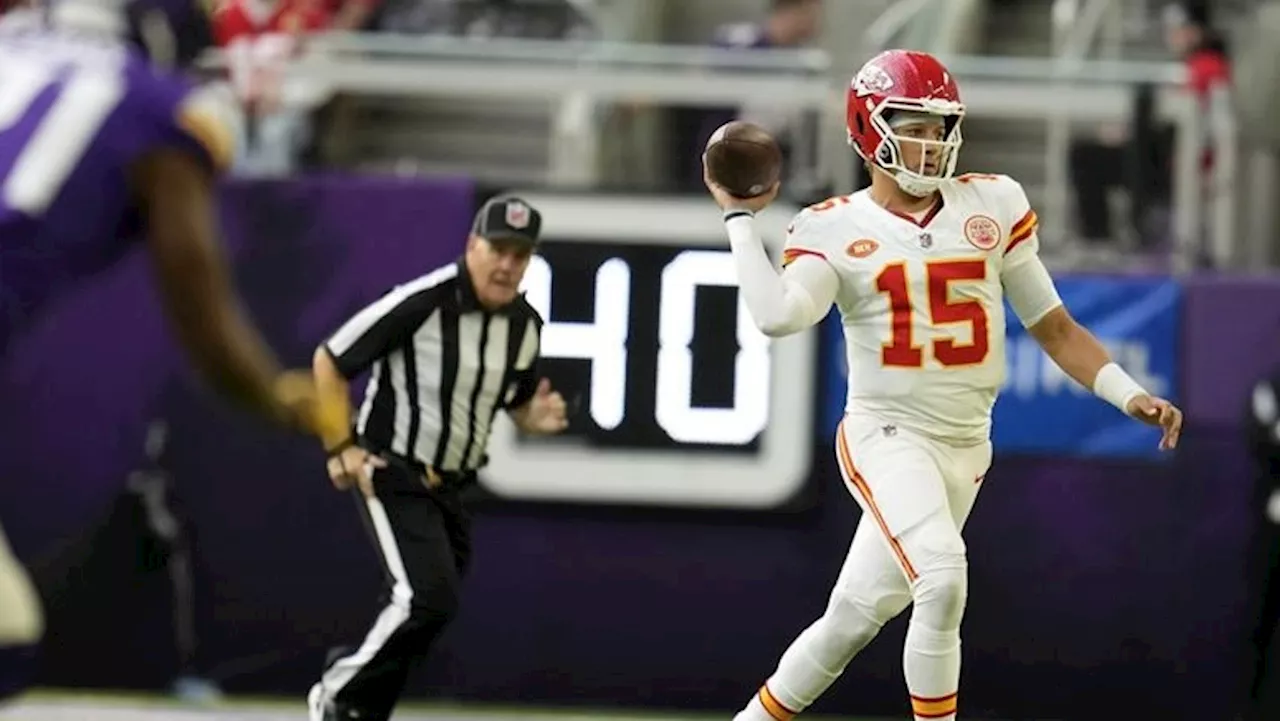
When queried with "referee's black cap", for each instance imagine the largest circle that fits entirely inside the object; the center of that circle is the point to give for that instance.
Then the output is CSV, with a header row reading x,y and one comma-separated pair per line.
x,y
1194,13
508,218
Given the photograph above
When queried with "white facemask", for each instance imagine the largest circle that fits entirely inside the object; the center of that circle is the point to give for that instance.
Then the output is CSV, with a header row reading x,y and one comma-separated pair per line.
x,y
915,181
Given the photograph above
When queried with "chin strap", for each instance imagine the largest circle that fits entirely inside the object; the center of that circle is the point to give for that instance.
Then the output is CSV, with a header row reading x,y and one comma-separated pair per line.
x,y
916,187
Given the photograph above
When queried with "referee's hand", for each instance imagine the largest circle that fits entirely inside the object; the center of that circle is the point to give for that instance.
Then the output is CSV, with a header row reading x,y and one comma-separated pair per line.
x,y
354,467
545,413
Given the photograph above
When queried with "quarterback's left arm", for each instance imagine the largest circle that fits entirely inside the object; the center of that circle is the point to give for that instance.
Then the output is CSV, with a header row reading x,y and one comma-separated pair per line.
x,y
1074,349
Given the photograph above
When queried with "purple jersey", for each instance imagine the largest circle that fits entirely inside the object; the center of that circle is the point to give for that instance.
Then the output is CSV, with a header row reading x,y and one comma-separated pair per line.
x,y
76,113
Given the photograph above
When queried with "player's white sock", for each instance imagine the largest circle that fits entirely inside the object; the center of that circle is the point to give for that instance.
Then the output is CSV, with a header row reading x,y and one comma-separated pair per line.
x,y
931,662
813,662
931,655
764,706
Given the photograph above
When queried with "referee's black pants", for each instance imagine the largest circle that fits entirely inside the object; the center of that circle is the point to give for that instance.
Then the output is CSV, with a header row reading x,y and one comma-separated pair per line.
x,y
424,539
1261,667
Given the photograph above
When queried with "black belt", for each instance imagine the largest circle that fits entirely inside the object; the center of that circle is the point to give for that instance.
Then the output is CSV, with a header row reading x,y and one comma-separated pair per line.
x,y
420,469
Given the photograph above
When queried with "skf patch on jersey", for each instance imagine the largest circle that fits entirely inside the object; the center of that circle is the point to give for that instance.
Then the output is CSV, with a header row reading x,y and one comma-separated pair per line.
x,y
982,232
862,248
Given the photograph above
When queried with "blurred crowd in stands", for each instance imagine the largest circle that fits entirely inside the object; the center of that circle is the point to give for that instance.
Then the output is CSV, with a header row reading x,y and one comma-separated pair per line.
x,y
1130,163
259,36
1137,158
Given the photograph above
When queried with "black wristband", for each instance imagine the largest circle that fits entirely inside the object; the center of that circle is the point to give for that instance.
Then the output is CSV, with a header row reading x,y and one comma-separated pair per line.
x,y
731,214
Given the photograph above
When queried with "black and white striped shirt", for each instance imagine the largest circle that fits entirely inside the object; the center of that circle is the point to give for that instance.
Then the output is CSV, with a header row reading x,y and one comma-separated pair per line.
x,y
443,367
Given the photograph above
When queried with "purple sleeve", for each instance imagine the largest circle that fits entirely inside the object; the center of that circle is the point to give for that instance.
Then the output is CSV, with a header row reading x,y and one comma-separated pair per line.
x,y
198,120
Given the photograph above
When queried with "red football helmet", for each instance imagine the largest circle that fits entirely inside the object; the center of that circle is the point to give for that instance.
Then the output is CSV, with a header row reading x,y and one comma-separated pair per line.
x,y
898,88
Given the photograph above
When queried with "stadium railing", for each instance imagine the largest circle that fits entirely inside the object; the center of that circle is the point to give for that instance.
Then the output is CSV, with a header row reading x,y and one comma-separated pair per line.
x,y
583,75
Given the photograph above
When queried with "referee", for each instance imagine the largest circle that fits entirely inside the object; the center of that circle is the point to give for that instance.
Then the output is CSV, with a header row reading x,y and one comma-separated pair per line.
x,y
447,351
1261,672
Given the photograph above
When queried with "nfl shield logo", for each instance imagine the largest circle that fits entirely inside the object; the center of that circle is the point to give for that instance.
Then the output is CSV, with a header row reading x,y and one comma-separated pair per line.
x,y
926,240
517,214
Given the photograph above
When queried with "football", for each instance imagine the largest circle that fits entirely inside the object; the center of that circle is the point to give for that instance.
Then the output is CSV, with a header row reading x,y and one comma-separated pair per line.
x,y
743,159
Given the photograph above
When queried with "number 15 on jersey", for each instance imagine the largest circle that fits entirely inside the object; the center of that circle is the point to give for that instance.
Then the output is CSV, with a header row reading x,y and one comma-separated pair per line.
x,y
903,349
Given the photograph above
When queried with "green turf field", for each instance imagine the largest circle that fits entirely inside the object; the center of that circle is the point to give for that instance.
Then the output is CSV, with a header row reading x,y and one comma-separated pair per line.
x,y
75,706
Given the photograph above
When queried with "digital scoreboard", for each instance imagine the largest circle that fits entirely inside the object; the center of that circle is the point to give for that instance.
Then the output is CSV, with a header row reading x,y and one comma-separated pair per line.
x,y
677,398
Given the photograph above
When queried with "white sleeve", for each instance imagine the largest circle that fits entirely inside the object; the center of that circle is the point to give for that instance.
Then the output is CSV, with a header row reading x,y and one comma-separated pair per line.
x,y
1024,242
1030,289
779,304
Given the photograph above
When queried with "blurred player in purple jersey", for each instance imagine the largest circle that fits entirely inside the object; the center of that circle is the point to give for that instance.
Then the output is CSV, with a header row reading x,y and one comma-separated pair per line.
x,y
103,145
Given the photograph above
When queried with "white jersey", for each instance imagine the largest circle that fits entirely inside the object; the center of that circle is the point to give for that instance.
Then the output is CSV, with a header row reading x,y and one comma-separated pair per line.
x,y
922,300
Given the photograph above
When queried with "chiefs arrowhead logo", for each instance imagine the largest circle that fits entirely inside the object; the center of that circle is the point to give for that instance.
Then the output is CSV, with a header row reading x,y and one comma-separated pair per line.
x,y
872,80
862,248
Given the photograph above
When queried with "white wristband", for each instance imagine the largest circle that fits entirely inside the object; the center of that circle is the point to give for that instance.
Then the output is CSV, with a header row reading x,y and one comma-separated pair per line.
x,y
1116,387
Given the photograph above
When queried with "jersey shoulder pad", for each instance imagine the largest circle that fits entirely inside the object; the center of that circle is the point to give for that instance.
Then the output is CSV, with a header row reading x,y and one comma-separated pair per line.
x,y
815,229
212,116
1006,201
995,193
202,119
